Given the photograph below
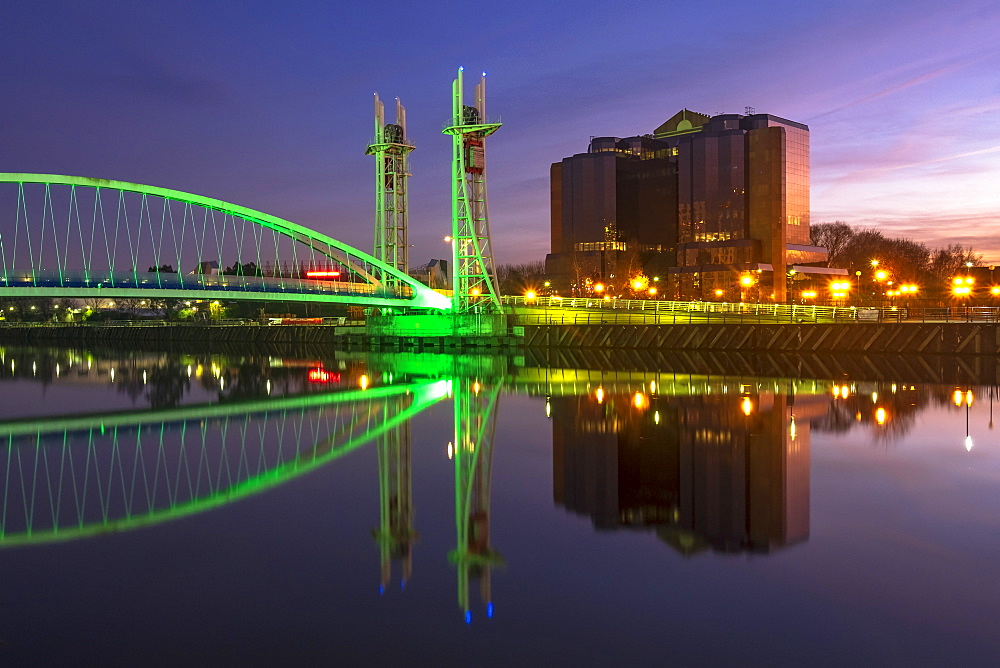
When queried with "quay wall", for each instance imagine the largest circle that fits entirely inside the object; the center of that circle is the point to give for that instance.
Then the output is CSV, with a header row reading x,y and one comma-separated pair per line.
x,y
895,338
892,338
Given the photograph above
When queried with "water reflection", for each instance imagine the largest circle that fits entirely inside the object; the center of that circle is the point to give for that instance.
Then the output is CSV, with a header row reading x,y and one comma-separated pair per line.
x,y
78,475
99,442
727,471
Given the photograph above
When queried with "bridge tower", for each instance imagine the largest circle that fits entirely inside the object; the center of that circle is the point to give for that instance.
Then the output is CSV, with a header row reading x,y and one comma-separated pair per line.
x,y
474,275
475,411
391,148
395,534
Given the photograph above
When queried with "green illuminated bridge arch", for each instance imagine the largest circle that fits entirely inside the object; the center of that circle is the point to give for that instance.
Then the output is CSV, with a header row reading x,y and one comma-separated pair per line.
x,y
78,476
79,237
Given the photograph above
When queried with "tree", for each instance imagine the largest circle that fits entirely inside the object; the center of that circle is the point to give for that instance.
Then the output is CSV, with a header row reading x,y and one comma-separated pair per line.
x,y
131,306
947,262
163,269
514,279
247,269
833,236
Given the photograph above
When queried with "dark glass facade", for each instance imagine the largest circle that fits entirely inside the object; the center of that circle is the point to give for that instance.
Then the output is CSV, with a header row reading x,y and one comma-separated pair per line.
x,y
712,196
702,472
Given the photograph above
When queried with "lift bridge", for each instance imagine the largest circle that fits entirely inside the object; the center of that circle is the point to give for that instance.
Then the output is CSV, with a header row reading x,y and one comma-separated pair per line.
x,y
86,238
79,237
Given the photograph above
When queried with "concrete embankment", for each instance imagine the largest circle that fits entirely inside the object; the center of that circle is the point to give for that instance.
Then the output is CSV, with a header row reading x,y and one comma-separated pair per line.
x,y
174,335
921,338
893,338
169,333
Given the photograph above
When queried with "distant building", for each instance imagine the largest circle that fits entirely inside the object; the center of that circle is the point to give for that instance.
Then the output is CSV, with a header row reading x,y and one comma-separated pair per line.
x,y
434,274
210,267
699,203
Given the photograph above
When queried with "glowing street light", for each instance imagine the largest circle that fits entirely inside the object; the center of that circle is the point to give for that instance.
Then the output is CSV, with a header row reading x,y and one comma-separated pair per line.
x,y
961,286
747,281
840,289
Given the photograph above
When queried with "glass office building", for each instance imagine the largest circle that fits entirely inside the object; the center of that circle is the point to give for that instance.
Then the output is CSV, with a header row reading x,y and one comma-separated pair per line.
x,y
702,201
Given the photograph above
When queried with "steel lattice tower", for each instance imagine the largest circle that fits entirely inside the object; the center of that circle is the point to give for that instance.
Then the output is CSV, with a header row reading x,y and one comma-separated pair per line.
x,y
390,148
395,534
474,275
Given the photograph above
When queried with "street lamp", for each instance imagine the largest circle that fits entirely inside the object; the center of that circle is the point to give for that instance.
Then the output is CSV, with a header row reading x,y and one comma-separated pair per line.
x,y
747,281
961,286
840,290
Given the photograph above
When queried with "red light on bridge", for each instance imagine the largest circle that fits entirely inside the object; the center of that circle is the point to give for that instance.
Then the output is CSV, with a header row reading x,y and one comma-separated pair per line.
x,y
319,375
323,274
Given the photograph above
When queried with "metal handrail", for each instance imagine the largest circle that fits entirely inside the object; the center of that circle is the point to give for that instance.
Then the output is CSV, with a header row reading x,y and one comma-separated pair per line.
x,y
692,311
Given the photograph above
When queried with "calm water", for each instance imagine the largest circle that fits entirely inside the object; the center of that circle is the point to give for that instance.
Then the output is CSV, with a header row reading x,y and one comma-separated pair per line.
x,y
191,509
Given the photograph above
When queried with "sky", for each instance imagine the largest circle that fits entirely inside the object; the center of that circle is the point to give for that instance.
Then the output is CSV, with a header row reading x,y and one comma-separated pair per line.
x,y
269,105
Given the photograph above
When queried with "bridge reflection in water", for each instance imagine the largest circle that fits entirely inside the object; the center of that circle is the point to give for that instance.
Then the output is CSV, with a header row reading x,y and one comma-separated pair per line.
x,y
718,462
81,475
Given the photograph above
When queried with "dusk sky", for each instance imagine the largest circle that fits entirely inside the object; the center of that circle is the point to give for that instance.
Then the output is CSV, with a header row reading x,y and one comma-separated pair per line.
x,y
269,104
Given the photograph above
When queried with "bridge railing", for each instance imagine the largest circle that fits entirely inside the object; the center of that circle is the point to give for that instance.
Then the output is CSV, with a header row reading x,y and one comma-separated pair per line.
x,y
145,280
692,310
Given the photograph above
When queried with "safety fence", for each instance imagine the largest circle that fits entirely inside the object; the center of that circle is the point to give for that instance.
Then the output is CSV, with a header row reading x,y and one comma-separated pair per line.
x,y
583,311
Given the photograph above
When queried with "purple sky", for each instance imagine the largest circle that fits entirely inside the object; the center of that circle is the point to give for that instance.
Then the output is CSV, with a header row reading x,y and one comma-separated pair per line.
x,y
267,106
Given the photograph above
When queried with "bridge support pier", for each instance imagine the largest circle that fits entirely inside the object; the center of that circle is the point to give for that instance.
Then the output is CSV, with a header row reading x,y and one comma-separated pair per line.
x,y
461,325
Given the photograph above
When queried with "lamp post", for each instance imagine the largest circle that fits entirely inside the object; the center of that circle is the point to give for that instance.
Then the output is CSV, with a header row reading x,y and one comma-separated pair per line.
x,y
747,281
840,291
961,288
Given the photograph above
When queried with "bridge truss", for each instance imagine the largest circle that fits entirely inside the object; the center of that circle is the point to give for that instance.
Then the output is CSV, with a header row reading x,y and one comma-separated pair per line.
x,y
79,237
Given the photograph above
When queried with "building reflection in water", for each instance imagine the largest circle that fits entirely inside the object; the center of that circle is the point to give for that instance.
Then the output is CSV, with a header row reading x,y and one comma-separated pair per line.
x,y
725,471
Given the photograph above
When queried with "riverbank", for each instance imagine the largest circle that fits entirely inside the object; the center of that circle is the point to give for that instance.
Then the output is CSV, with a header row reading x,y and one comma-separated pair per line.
x,y
965,338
